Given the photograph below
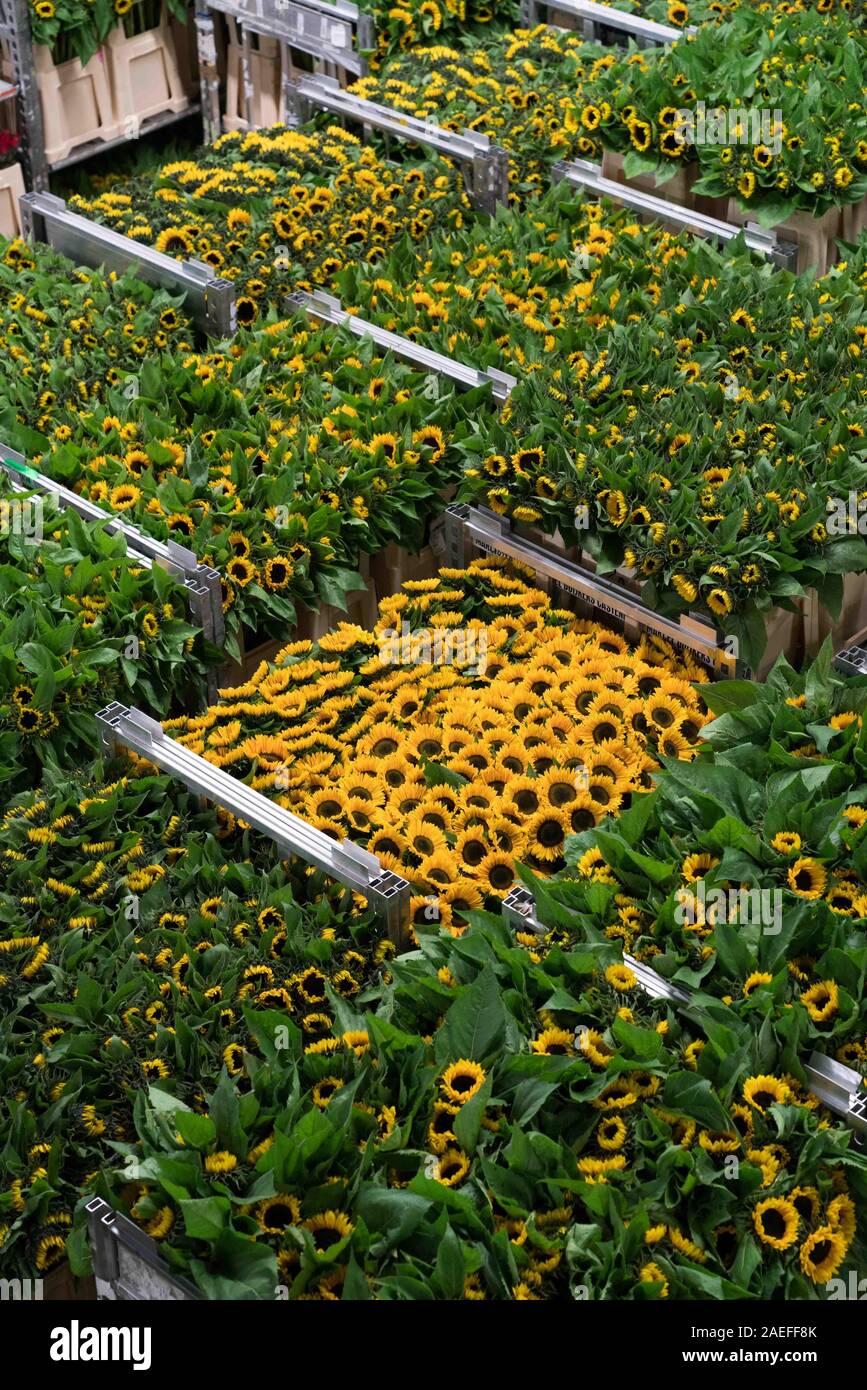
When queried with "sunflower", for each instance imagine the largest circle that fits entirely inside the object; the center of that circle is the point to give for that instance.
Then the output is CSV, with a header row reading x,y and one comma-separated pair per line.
x,y
546,835
554,1042
776,1222
822,1253
328,1228
821,1001
842,1215
240,571
611,1133
274,1214
462,1080
621,978
124,497
452,1166
652,1274
807,878
786,842
765,1091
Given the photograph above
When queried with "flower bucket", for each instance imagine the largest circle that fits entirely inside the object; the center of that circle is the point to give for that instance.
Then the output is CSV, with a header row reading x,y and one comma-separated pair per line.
x,y
265,75
392,567
853,616
675,190
145,77
11,188
816,237
77,104
853,220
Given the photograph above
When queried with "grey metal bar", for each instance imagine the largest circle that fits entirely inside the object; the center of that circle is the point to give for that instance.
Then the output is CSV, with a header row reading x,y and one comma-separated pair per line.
x,y
387,893
593,17
468,527
325,31
328,309
840,1088
210,300
202,583
15,28
209,78
127,1264
655,985
486,166
583,173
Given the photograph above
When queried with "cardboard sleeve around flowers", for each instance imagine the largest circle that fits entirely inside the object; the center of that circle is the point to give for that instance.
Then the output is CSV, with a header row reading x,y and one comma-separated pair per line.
x,y
77,104
11,188
145,77
816,237
678,189
265,77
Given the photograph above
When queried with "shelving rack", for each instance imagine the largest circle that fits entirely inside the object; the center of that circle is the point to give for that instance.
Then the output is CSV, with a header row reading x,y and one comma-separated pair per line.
x,y
15,29
209,300
603,23
470,529
336,35
485,166
327,309
583,173
387,893
201,582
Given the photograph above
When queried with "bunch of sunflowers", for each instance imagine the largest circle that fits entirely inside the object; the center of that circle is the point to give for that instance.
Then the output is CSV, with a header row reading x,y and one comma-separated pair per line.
x,y
810,157
759,890
81,625
279,460
138,932
403,26
279,210
474,728
522,90
77,28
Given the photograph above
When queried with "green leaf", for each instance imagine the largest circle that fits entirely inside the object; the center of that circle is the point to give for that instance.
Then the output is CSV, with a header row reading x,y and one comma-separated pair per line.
x,y
205,1217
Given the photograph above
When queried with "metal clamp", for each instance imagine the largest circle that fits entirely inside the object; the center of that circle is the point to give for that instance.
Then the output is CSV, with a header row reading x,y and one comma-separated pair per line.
x,y
387,893
583,173
486,166
851,660
655,985
127,1264
328,309
469,528
593,19
202,583
519,908
210,300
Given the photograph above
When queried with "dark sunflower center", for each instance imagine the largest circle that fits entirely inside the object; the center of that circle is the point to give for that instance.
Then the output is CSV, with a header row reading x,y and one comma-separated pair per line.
x,y
463,1083
773,1223
323,1240
279,1215
550,834
820,1252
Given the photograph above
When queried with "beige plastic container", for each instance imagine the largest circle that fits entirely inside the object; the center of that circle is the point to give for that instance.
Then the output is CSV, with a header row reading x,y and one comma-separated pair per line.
x,y
265,76
815,236
145,78
77,104
11,188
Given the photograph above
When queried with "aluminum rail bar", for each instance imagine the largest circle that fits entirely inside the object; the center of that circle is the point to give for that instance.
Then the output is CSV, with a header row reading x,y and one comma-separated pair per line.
x,y
840,1088
204,593
594,16
486,166
475,526
585,174
210,300
347,862
127,1264
328,309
